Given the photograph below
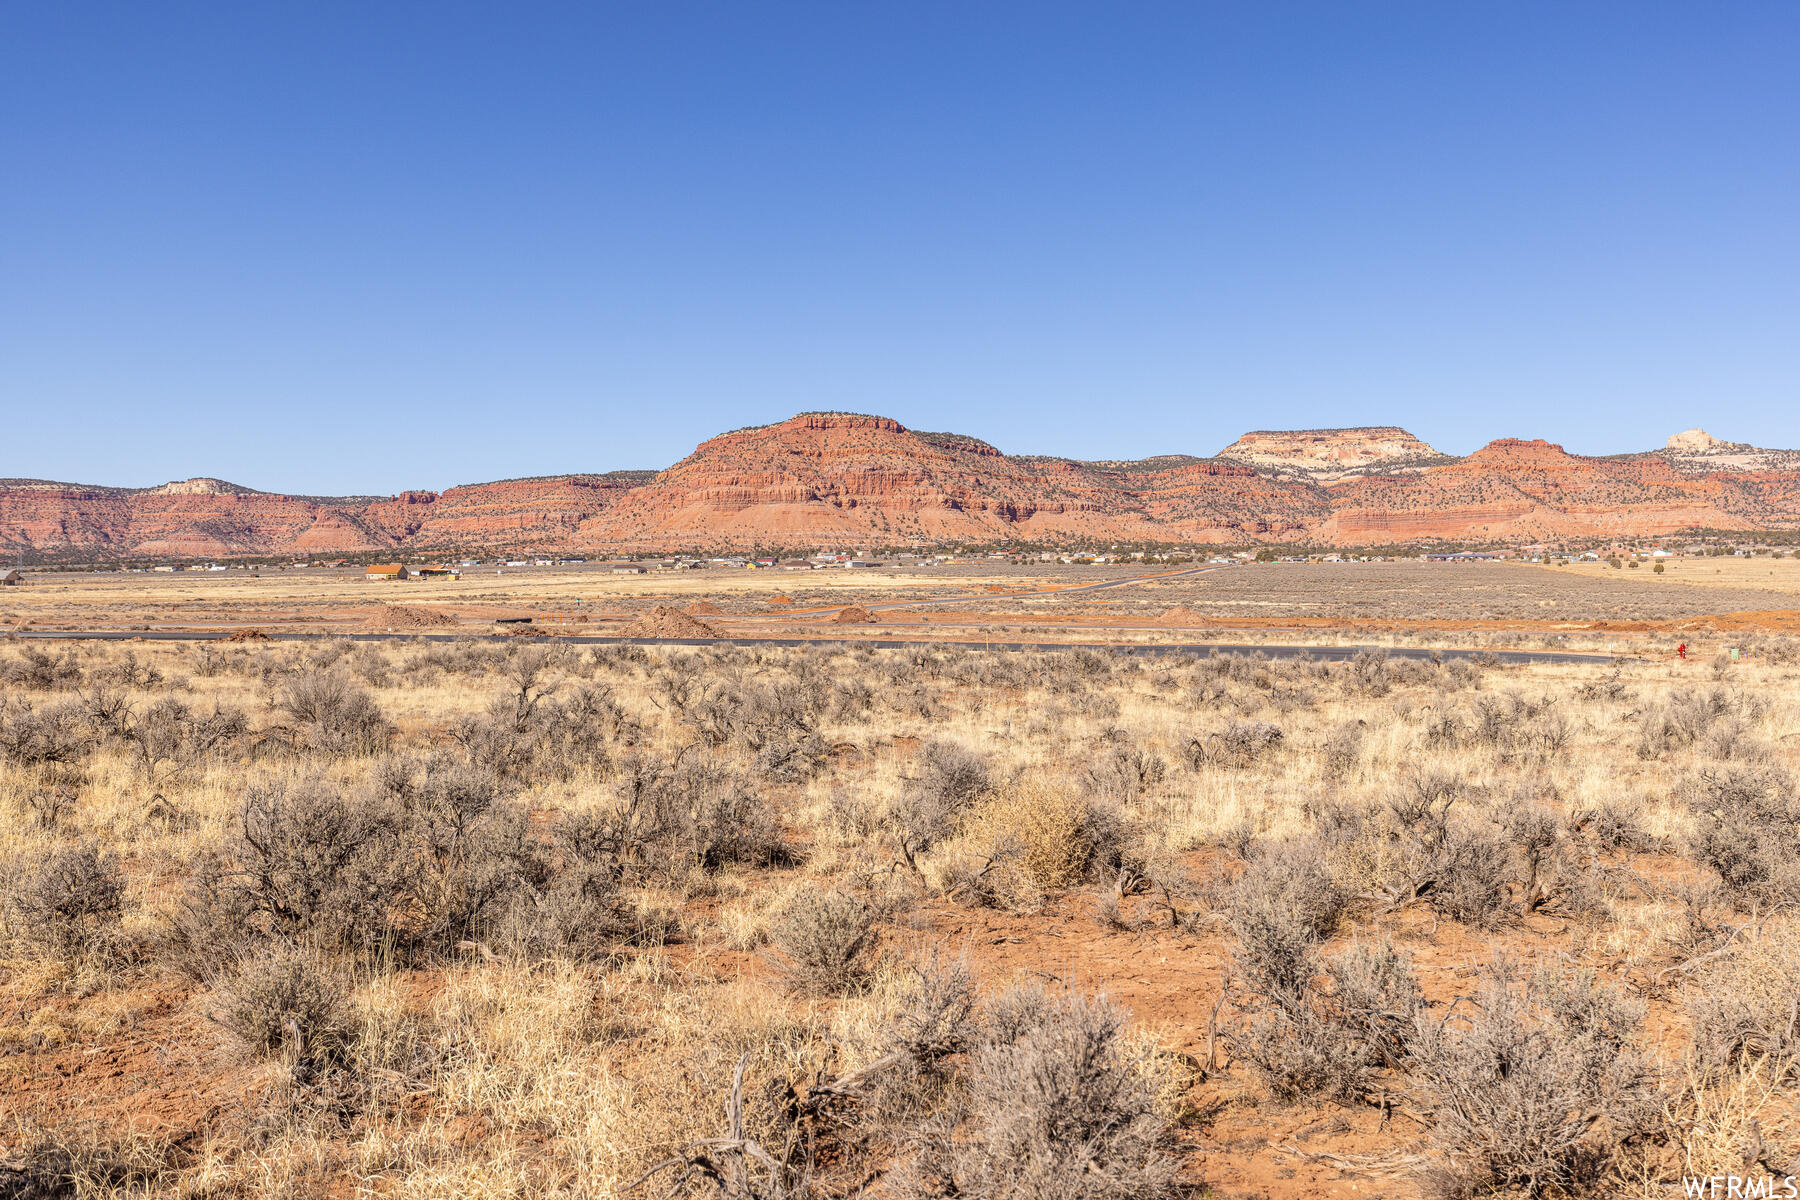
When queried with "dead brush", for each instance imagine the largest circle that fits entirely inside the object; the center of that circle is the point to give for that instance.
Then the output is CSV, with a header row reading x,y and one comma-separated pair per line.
x,y
35,670
168,740
1685,718
826,942
951,779
736,1166
68,900
1745,1008
1747,829
1031,837
1281,908
933,1022
1059,1105
1123,769
127,672
333,715
1329,1035
1035,1094
1461,868
51,794
709,816
1532,1086
1340,752
286,1001
45,734
1612,825
1237,745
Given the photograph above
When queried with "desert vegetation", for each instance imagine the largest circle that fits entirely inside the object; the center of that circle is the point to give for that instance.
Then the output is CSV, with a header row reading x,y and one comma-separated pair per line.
x,y
484,918
1711,601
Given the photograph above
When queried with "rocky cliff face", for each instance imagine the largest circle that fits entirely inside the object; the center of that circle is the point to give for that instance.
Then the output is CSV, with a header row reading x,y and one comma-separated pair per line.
x,y
833,477
1527,490
187,521
1699,451
1331,455
836,478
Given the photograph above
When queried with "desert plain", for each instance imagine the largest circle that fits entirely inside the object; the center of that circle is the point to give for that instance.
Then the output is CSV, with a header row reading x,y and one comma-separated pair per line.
x,y
692,886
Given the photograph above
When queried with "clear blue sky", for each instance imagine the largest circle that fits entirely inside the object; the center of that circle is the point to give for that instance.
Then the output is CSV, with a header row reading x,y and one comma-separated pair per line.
x,y
359,247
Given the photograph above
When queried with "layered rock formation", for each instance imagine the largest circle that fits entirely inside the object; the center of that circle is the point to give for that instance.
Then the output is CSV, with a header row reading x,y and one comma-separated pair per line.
x,y
1330,455
830,479
1699,451
211,519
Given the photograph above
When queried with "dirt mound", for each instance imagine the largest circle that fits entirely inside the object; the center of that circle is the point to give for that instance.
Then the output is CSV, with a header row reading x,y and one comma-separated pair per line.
x,y
856,614
665,622
704,608
1181,614
781,599
403,616
246,635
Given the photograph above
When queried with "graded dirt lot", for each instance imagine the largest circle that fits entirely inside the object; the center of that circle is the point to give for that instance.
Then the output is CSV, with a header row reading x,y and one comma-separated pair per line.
x,y
514,918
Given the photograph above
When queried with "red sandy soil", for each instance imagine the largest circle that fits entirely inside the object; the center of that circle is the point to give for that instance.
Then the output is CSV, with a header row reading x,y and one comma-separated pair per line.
x,y
856,614
402,616
1181,614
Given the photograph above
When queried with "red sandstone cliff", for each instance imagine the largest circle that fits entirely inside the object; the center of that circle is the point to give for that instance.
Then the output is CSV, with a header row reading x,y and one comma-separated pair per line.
x,y
831,478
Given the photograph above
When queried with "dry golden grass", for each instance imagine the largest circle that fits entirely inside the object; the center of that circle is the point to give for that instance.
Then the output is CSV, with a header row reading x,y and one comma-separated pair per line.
x,y
496,1067
1756,571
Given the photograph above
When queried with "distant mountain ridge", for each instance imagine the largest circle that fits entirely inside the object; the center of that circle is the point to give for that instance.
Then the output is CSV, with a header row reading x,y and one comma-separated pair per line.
x,y
831,479
1697,450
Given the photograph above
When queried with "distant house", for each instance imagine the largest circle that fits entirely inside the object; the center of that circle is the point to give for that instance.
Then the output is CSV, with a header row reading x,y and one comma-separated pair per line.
x,y
386,571
439,572
631,569
11,579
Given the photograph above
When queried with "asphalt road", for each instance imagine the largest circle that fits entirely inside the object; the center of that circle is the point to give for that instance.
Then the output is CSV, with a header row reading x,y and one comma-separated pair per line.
x,y
1191,649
